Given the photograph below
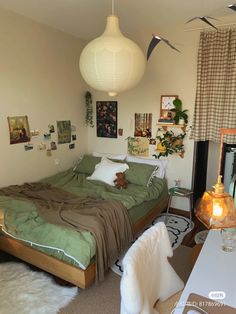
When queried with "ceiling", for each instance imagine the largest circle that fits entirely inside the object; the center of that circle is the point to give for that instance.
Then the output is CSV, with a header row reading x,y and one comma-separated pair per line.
x,y
86,18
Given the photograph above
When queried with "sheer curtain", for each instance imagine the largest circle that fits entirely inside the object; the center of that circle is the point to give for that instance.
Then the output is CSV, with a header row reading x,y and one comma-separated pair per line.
x,y
215,105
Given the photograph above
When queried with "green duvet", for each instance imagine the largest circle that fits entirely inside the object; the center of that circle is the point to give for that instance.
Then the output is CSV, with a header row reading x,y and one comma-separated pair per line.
x,y
78,248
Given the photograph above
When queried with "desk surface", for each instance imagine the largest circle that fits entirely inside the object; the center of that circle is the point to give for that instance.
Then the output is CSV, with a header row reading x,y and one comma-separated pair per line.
x,y
214,270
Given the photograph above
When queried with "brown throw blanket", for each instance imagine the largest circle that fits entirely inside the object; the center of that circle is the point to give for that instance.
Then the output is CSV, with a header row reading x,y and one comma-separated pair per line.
x,y
107,220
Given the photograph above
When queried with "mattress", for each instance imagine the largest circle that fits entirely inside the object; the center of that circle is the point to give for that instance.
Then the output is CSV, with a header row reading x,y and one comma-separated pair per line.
x,y
22,222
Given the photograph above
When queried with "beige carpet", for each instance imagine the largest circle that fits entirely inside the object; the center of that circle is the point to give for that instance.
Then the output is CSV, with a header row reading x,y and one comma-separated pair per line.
x,y
105,298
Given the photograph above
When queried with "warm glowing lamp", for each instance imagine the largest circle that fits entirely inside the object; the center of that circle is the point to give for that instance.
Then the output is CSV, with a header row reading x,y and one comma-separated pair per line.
x,y
216,209
112,62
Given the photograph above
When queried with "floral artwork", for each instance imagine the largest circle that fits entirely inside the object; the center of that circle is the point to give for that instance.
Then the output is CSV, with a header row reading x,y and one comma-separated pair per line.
x,y
106,119
19,129
138,146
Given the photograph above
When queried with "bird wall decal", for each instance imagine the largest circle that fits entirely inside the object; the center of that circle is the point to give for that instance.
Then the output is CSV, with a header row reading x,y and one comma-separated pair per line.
x,y
232,6
155,40
204,19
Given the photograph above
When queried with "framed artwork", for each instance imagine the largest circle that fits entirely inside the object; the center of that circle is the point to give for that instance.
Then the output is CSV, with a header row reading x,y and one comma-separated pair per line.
x,y
166,105
64,131
143,124
18,129
106,119
138,146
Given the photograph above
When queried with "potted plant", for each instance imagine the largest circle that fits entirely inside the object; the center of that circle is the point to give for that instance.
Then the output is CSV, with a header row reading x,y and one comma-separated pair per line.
x,y
169,144
180,115
89,109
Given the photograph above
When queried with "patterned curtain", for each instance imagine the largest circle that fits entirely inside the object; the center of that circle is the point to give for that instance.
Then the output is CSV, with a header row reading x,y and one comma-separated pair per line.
x,y
215,105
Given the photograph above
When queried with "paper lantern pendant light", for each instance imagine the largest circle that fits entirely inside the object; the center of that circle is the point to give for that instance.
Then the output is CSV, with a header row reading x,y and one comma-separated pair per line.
x,y
112,63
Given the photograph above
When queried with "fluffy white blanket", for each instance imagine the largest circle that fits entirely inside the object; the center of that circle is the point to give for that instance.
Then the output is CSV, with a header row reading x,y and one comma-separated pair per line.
x,y
148,276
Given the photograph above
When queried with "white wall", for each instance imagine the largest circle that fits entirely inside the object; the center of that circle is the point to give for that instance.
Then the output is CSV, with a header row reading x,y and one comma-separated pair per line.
x,y
168,72
39,78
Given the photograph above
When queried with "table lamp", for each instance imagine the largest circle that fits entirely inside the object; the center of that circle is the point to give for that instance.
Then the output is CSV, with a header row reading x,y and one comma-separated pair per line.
x,y
216,209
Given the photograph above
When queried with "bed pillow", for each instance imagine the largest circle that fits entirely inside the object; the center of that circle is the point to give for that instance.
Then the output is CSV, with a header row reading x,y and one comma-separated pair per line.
x,y
162,164
110,156
140,174
106,171
87,164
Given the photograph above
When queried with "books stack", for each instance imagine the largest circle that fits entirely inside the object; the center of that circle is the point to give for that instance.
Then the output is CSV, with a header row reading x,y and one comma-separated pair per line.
x,y
182,191
166,121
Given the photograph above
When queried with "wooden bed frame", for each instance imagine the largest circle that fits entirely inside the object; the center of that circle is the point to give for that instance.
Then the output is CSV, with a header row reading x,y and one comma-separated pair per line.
x,y
72,274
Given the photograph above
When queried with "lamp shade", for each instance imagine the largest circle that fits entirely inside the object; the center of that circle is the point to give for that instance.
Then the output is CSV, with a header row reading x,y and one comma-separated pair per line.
x,y
216,209
112,62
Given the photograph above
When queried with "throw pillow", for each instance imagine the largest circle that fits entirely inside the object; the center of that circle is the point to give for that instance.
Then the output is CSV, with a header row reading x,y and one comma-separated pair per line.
x,y
87,164
162,164
140,174
106,171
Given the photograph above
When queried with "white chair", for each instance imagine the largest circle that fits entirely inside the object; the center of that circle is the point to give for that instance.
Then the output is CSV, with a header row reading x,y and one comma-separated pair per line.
x,y
147,274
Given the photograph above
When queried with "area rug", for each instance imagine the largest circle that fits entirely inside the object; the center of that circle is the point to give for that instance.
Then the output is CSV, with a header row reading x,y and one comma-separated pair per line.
x,y
177,226
24,291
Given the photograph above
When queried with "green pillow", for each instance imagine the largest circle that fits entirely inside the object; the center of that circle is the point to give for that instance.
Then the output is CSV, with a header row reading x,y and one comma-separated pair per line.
x,y
87,164
139,174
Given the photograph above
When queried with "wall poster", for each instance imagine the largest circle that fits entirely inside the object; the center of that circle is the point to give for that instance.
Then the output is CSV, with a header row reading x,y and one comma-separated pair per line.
x,y
106,119
64,131
18,129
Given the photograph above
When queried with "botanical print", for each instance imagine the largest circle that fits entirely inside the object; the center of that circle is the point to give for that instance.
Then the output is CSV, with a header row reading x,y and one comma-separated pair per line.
x,y
64,131
138,146
19,129
107,119
143,124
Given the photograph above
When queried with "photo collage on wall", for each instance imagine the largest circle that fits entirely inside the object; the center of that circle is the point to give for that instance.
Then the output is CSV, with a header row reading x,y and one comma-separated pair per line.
x,y
20,132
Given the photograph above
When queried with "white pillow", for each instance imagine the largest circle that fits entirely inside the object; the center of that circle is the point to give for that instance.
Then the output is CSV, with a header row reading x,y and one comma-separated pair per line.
x,y
111,156
162,164
106,171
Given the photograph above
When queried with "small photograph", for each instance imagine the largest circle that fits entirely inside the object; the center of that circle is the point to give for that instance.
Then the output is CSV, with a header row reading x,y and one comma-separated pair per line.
x,y
74,137
47,136
34,133
18,129
71,146
152,141
29,146
53,146
51,128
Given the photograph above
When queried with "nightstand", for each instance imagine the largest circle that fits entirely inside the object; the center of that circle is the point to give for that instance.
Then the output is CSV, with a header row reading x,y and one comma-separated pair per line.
x,y
181,192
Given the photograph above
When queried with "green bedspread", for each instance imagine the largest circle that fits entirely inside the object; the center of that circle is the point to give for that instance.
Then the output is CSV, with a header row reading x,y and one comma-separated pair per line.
x,y
23,222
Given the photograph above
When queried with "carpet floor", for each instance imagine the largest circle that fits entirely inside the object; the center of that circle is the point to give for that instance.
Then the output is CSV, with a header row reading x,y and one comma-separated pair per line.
x,y
105,297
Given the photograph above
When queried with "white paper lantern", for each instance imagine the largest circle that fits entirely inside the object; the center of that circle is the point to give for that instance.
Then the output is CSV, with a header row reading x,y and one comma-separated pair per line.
x,y
112,62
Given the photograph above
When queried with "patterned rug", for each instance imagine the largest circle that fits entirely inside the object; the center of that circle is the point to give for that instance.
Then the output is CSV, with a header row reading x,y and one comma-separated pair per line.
x,y
177,226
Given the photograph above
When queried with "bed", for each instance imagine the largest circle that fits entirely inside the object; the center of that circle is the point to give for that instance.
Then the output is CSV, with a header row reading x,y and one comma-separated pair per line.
x,y
26,235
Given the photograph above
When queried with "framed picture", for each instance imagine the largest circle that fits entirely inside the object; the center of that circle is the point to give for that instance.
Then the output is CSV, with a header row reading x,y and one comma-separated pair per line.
x,y
64,131
166,105
143,124
19,129
106,119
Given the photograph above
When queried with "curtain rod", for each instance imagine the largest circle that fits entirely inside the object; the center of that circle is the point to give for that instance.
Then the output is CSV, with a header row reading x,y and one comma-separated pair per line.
x,y
203,28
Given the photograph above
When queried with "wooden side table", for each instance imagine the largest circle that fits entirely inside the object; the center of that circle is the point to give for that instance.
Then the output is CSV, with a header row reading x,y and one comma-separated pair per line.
x,y
181,192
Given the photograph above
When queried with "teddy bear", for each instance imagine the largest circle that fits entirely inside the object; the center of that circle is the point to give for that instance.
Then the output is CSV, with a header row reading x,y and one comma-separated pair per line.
x,y
120,181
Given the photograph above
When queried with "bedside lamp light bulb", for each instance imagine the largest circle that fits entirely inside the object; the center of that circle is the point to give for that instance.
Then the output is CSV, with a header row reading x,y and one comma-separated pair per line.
x,y
217,210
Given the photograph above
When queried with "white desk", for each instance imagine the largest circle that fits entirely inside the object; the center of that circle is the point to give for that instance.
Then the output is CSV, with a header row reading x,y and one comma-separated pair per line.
x,y
214,270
